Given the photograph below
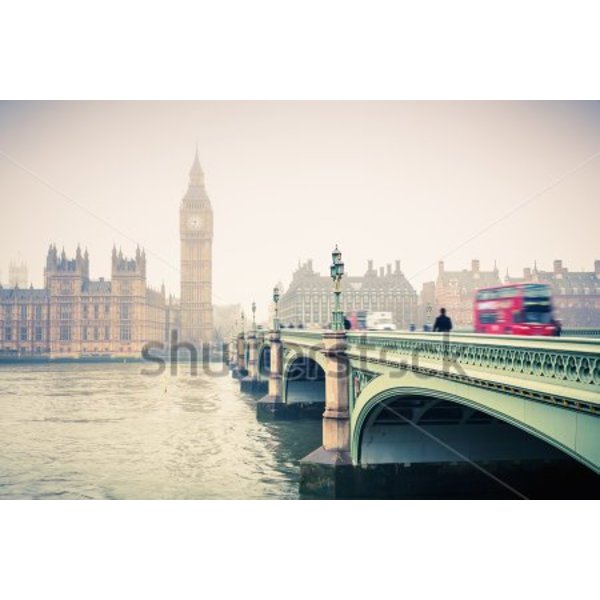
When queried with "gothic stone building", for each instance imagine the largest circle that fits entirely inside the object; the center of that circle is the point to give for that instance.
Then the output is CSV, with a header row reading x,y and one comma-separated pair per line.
x,y
76,317
196,233
309,299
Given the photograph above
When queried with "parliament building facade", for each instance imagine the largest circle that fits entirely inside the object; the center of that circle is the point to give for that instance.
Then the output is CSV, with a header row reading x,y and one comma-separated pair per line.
x,y
74,316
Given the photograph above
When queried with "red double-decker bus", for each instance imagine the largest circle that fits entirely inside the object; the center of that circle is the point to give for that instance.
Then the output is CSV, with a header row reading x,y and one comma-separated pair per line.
x,y
517,309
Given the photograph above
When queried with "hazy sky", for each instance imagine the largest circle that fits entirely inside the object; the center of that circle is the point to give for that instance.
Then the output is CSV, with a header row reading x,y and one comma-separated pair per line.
x,y
414,181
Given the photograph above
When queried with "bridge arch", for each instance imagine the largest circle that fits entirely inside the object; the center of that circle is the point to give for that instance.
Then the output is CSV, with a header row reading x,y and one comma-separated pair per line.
x,y
569,431
264,360
303,380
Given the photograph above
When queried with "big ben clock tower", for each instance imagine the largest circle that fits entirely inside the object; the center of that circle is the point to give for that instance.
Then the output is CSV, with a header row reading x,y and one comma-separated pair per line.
x,y
196,233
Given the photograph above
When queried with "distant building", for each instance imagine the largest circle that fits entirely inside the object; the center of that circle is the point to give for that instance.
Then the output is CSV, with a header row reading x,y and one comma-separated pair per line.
x,y
17,274
309,298
224,320
427,305
576,294
173,317
74,316
455,291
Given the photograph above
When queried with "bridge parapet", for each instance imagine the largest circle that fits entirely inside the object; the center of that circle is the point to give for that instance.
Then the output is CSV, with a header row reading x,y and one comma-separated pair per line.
x,y
551,369
582,332
555,360
302,336
559,360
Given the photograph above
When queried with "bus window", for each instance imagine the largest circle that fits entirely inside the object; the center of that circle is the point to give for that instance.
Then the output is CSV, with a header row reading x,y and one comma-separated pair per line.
x,y
487,318
537,316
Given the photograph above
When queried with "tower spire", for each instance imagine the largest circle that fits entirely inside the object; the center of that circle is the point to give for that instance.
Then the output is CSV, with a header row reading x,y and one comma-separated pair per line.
x,y
196,174
196,193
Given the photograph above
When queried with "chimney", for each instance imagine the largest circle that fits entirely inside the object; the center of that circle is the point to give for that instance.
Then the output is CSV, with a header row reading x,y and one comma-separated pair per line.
x,y
381,271
389,269
597,267
310,264
527,273
558,267
370,266
475,266
440,267
397,266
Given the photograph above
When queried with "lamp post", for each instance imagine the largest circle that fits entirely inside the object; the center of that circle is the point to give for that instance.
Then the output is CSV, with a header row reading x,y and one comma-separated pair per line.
x,y
253,316
243,325
276,297
234,343
337,272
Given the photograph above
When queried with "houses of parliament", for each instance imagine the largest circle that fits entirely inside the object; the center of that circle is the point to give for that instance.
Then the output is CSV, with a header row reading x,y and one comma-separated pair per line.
x,y
73,316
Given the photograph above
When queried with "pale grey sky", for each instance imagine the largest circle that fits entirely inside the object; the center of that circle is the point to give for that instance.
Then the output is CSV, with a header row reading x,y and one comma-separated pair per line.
x,y
289,180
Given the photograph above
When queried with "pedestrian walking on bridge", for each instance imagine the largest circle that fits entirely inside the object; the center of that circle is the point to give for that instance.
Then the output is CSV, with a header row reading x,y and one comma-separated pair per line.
x,y
442,322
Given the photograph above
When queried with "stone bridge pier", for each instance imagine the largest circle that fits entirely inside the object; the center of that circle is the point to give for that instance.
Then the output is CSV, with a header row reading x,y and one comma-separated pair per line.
x,y
272,405
240,369
324,470
233,346
251,382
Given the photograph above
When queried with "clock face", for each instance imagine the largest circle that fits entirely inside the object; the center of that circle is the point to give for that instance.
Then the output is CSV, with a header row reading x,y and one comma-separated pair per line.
x,y
194,222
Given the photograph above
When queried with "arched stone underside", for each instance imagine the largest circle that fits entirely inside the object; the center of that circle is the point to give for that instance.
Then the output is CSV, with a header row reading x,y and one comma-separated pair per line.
x,y
497,424
264,361
303,377
246,355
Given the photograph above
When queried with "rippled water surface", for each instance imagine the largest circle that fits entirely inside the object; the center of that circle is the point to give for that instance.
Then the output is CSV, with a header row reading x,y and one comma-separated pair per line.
x,y
107,431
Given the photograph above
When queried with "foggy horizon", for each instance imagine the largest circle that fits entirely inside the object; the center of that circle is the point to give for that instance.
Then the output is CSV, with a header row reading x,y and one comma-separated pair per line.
x,y
414,181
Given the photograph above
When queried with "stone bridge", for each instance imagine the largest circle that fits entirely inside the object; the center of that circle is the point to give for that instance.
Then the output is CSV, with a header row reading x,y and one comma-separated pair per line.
x,y
434,415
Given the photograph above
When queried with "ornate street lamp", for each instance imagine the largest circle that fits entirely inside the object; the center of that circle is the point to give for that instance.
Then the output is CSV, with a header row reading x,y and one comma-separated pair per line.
x,y
276,297
253,316
337,272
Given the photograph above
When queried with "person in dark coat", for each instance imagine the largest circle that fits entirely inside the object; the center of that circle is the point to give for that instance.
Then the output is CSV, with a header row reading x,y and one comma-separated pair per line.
x,y
442,322
558,327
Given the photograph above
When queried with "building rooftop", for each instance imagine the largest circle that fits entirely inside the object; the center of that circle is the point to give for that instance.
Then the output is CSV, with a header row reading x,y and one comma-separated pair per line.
x,y
305,278
26,294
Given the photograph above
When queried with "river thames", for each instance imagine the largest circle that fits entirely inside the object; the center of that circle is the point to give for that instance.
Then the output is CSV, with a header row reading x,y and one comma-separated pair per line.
x,y
107,431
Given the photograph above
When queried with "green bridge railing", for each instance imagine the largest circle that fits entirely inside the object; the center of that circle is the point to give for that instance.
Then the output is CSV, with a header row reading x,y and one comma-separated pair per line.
x,y
557,360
